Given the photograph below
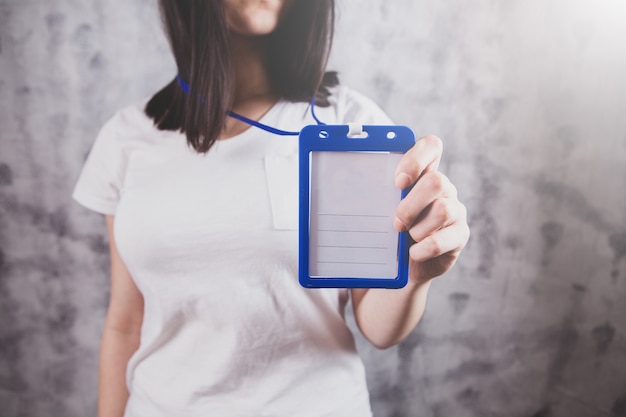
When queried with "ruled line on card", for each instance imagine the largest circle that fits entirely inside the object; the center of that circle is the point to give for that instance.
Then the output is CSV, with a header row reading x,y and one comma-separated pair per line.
x,y
354,215
351,231
351,263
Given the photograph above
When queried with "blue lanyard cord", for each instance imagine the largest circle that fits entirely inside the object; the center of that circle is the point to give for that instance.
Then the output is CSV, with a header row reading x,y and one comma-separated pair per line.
x,y
261,125
318,121
185,87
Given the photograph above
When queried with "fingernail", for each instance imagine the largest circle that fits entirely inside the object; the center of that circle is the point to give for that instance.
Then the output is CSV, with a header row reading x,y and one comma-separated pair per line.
x,y
402,180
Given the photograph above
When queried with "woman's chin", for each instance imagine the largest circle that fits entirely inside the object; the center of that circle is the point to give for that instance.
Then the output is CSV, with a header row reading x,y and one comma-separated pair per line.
x,y
256,28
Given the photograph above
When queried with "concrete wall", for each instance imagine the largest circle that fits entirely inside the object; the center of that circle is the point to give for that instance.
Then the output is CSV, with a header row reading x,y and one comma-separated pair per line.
x,y
530,100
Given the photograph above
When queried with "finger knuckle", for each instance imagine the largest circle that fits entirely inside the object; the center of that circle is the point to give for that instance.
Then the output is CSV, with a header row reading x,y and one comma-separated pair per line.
x,y
442,210
436,181
433,246
446,181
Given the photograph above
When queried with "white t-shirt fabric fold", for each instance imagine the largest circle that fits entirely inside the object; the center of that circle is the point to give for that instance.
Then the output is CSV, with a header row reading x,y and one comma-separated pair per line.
x,y
211,242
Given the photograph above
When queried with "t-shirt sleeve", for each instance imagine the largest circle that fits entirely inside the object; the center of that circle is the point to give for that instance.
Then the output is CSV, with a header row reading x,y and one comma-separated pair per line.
x,y
100,180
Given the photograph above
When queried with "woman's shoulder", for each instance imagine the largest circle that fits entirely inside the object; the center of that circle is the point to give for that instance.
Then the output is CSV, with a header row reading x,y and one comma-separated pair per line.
x,y
126,129
130,118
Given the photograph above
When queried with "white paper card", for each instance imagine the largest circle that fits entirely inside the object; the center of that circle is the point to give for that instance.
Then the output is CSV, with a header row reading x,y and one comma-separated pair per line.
x,y
353,203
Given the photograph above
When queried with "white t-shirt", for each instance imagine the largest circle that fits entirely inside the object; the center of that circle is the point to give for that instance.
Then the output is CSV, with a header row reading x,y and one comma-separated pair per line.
x,y
211,242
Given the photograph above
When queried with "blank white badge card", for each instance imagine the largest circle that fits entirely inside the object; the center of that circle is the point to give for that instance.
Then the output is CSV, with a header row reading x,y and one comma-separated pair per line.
x,y
353,200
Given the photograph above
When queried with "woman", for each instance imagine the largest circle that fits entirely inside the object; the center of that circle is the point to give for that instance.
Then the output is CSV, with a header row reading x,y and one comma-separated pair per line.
x,y
206,316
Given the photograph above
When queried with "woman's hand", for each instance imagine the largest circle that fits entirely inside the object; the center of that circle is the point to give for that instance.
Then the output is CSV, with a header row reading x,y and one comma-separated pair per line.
x,y
437,222
431,212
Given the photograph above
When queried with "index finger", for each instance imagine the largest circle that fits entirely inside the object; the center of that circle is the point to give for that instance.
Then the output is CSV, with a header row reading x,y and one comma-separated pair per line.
x,y
424,156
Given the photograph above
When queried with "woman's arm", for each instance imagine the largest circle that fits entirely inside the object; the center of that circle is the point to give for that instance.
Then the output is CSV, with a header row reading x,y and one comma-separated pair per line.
x,y
120,337
386,317
437,222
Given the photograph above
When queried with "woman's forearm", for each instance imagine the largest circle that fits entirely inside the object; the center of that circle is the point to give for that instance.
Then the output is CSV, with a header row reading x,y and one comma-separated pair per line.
x,y
387,316
116,349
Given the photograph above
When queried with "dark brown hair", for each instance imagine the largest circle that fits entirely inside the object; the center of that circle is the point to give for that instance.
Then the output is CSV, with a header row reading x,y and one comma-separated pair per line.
x,y
198,34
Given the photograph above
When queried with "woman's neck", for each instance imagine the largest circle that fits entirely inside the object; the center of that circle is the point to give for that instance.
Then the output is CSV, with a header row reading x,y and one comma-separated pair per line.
x,y
249,58
252,94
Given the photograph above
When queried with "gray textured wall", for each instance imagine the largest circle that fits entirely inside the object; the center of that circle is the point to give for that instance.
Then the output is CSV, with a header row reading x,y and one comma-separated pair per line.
x,y
530,99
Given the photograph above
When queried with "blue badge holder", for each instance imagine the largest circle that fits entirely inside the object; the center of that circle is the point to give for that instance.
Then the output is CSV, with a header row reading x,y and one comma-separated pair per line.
x,y
347,203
